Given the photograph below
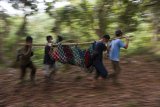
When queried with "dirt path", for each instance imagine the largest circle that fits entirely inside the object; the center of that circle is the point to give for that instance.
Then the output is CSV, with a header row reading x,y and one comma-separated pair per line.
x,y
140,87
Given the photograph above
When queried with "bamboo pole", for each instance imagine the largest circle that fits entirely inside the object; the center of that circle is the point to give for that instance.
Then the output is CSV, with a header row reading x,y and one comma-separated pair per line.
x,y
70,44
122,37
54,45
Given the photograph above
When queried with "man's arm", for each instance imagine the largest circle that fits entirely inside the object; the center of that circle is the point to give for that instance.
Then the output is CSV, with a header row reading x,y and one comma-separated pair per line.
x,y
127,43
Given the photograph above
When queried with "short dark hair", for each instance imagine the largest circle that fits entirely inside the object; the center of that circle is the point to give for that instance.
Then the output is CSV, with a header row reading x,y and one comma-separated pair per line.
x,y
106,36
118,33
48,37
59,38
29,39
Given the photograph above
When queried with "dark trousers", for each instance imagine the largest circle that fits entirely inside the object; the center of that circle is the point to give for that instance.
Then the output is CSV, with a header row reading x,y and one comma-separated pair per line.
x,y
23,68
117,70
100,69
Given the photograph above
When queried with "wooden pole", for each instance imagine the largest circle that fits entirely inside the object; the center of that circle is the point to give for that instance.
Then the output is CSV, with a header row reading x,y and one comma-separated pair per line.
x,y
54,45
122,37
70,44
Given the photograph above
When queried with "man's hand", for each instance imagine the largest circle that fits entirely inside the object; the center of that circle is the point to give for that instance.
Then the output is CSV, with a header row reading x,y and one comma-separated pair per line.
x,y
127,42
127,38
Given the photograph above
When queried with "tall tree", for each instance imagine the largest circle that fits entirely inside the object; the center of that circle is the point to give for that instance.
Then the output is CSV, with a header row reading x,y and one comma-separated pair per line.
x,y
4,31
28,7
74,15
154,6
103,9
127,19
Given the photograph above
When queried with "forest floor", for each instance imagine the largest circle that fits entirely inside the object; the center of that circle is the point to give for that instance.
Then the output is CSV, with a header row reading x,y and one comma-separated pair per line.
x,y
139,87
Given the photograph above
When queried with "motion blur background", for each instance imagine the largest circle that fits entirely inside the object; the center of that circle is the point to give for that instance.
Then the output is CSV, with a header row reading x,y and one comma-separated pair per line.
x,y
81,21
78,20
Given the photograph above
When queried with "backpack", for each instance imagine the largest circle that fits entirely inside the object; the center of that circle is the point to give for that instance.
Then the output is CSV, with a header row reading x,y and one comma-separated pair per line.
x,y
89,56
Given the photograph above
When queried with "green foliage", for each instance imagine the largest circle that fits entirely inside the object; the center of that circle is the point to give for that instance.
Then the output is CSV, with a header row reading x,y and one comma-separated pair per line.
x,y
38,56
82,20
128,18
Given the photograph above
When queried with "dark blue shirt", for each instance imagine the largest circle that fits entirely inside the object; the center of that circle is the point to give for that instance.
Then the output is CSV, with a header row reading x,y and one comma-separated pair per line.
x,y
47,58
99,48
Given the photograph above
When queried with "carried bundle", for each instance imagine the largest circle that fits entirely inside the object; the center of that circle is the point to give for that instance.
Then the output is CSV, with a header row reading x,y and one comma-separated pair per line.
x,y
69,54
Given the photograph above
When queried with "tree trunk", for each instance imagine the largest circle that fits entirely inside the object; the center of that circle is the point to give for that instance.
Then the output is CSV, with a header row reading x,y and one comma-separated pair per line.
x,y
102,21
23,30
103,9
3,33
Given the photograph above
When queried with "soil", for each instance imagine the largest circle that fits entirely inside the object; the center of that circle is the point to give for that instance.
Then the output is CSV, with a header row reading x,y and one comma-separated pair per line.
x,y
139,86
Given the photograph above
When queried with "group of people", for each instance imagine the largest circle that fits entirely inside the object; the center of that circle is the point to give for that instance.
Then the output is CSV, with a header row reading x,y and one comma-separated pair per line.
x,y
113,49
24,58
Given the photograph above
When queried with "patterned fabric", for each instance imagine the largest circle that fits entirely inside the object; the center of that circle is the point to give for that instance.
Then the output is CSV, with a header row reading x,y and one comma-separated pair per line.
x,y
62,57
81,54
54,54
78,56
58,54
73,55
69,54
88,56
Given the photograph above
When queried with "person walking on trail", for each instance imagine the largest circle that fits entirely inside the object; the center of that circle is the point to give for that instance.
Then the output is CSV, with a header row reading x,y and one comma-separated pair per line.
x,y
114,53
24,57
101,71
49,63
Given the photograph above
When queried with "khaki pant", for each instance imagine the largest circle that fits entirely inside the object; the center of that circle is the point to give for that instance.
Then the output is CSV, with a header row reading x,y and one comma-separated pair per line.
x,y
49,70
117,70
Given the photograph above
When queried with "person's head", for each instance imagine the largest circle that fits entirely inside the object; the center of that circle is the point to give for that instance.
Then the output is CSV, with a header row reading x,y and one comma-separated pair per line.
x,y
49,39
106,38
59,38
118,33
29,40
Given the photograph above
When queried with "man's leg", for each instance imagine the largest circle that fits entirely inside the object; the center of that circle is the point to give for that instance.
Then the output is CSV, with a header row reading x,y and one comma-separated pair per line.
x,y
33,71
46,71
112,75
102,70
117,70
101,73
52,71
23,72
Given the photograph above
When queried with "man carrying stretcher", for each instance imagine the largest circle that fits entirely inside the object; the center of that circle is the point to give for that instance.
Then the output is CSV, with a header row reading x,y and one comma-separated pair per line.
x,y
101,72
